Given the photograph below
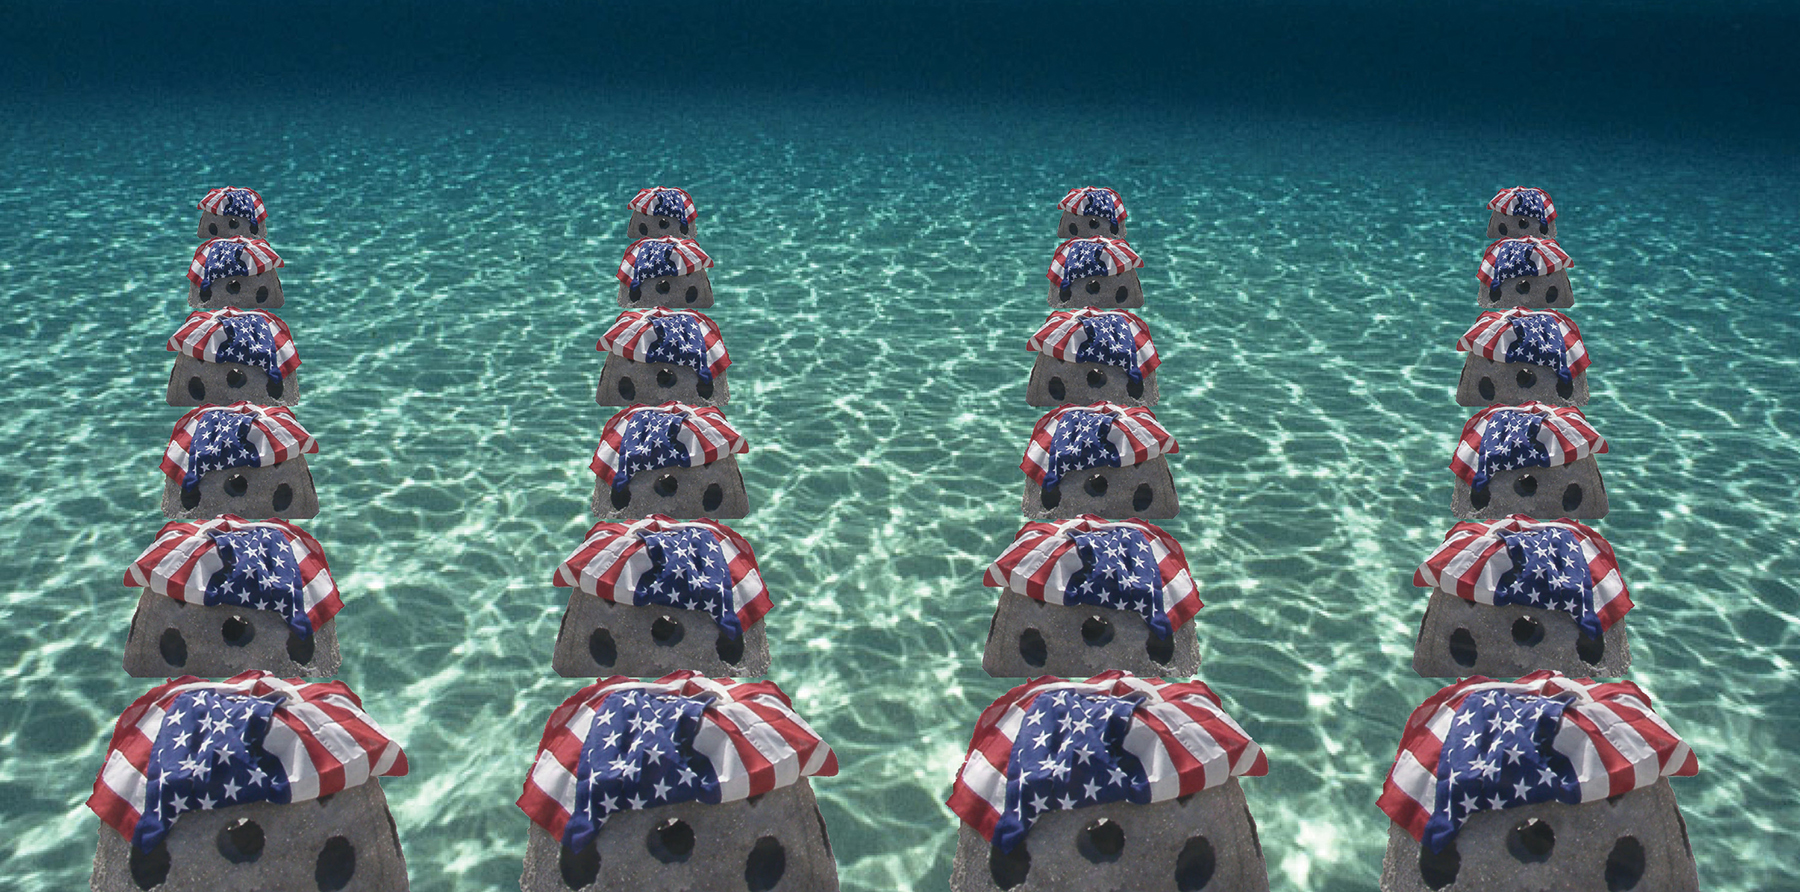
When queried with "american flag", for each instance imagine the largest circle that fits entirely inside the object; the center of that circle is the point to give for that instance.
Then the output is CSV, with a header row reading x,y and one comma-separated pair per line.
x,y
241,435
693,565
677,337
1561,565
195,745
1057,744
239,256
1075,438
1128,564
1524,201
1530,435
1510,258
1540,337
648,258
1079,258
644,438
1094,201
252,337
265,565
235,201
1481,745
661,201
1113,337
624,744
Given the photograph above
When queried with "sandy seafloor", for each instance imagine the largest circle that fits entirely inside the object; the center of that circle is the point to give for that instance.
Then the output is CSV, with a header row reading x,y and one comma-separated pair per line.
x,y
879,269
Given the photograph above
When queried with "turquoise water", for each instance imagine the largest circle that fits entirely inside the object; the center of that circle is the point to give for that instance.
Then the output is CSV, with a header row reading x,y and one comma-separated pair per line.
x,y
880,267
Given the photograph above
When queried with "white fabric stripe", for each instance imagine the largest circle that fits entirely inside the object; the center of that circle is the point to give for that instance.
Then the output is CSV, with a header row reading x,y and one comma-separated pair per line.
x,y
1147,745
767,741
715,745
1418,784
1590,771
1626,739
554,780
125,780
1193,737
985,781
286,747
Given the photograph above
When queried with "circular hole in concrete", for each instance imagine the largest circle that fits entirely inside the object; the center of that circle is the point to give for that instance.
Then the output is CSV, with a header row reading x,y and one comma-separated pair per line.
x,y
1093,223
1195,865
254,227
275,387
173,647
1057,389
1093,286
1064,295
1531,841
231,222
233,286
1503,229
666,485
627,388
1074,230
1543,229
1478,498
1114,227
336,865
197,388
262,294
666,631
1142,497
643,229
300,648
1525,485
635,294
665,378
1439,869
1485,387
1095,486
712,497
729,649
602,648
1462,647
1032,648
1571,497
1523,286
704,387
621,498
190,498
237,631
1527,631
212,229
670,841
1590,650
1565,389
1050,497
1527,379
235,378
1552,294
581,867
766,864
662,222
1101,841
1121,295
662,286
1625,864
282,497
1009,869
149,869
693,294
683,227
1134,388
241,841
1161,650
1096,378
1097,631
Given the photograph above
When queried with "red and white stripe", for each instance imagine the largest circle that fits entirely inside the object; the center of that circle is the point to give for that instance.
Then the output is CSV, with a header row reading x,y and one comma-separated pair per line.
x,y
258,257
1566,435
688,258
214,202
1062,334
704,433
275,434
633,334
203,334
646,199
1072,201
1549,257
1504,201
1613,739
1179,731
1117,254
185,556
1044,555
613,558
1492,335
749,731
1473,558
1135,432
319,733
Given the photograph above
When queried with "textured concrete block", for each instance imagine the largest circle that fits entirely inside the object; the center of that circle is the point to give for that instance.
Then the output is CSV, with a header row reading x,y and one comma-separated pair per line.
x,y
1513,226
258,292
657,226
1486,383
775,842
1572,490
624,382
1206,841
1088,226
1055,382
195,383
1549,292
227,225
713,491
340,843
692,291
1459,638
599,638
1028,638
1120,292
1144,490
1634,841
171,638
283,490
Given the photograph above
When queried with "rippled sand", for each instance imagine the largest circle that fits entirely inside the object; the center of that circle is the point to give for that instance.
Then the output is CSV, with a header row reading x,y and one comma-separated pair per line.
x,y
879,270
